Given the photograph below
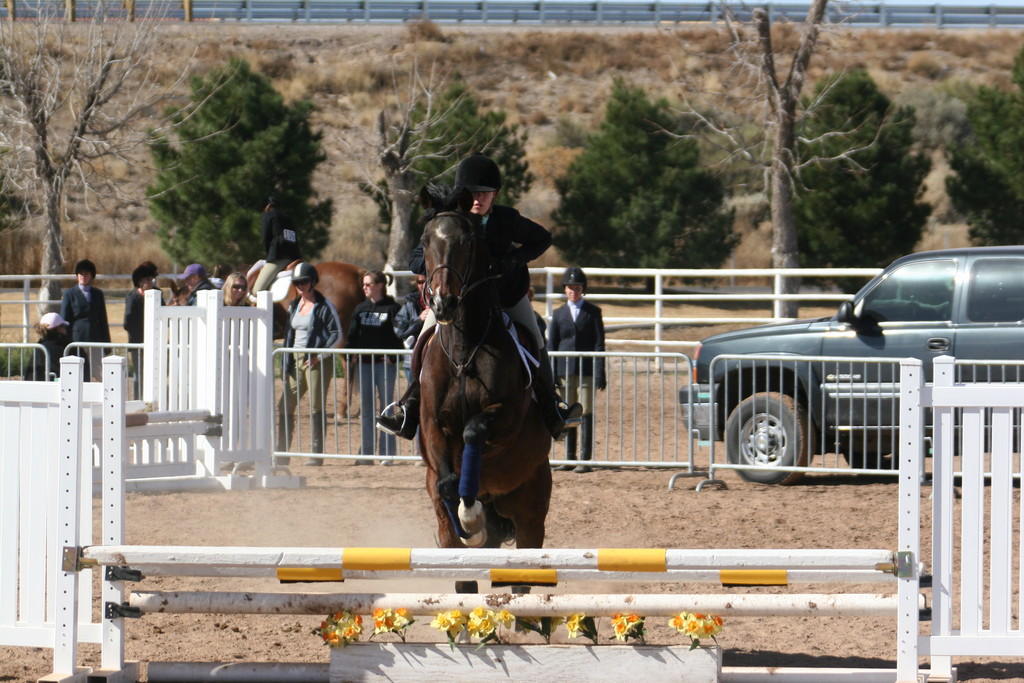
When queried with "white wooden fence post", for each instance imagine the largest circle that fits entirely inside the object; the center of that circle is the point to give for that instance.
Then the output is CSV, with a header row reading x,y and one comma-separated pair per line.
x,y
943,435
150,355
69,472
210,362
112,451
263,398
911,451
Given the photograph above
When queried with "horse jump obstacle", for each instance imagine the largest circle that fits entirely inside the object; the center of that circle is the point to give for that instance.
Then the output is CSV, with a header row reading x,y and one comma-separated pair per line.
x,y
1004,640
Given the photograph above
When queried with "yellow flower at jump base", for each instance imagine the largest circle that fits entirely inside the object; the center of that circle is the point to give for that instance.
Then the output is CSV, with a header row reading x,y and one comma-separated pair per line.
x,y
628,626
392,621
451,623
697,626
340,628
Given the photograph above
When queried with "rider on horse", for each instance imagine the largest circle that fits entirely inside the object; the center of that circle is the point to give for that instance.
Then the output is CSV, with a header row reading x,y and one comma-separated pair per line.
x,y
513,241
279,241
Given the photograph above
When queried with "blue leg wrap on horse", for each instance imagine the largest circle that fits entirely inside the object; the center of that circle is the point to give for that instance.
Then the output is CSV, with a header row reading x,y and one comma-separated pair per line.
x,y
453,514
469,481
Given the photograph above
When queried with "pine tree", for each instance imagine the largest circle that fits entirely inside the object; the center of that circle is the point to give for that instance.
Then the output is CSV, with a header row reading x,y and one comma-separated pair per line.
x,y
987,184
637,197
861,203
242,145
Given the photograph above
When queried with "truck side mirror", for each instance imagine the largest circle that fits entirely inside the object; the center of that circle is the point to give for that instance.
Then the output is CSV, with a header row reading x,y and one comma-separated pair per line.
x,y
846,314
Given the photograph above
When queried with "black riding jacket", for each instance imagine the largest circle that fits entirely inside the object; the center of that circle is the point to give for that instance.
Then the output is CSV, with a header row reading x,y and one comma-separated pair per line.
x,y
512,240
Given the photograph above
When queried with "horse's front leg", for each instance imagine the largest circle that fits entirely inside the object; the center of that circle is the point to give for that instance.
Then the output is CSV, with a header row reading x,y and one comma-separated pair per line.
x,y
471,512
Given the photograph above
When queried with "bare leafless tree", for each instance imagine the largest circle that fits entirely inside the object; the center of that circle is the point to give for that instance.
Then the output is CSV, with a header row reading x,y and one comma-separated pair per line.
x,y
75,96
410,128
771,96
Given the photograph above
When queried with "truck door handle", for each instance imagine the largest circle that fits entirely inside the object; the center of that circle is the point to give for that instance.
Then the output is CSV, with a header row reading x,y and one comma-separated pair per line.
x,y
938,344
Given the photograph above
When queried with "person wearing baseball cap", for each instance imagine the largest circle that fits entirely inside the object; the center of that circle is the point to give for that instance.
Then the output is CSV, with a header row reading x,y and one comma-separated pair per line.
x,y
196,280
53,336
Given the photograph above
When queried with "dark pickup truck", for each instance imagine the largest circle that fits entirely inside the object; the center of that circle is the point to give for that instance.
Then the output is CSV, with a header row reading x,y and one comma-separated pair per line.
x,y
967,303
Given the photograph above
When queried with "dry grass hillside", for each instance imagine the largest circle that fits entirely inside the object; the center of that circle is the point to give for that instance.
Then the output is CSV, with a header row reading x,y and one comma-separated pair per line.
x,y
550,81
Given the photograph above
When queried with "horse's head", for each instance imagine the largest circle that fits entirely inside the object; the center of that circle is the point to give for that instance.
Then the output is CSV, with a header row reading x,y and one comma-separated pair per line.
x,y
453,249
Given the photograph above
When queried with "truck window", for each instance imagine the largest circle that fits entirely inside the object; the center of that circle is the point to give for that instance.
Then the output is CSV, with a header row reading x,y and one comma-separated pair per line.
x,y
914,292
996,291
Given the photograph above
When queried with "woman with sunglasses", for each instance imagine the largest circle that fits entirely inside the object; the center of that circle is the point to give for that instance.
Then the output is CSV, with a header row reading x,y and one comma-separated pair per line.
x,y
236,291
373,327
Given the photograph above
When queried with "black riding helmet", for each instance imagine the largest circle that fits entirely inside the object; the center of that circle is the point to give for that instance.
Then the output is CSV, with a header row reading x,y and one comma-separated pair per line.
x,y
478,173
305,272
574,276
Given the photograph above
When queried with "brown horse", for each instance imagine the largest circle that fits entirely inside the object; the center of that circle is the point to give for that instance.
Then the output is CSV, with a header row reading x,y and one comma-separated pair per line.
x,y
482,436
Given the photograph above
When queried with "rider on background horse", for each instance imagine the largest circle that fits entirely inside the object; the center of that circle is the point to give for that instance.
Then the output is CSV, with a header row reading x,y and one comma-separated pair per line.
x,y
513,241
279,241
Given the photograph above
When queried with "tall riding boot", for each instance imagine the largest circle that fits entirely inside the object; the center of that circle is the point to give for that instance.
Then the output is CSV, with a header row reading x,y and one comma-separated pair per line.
x,y
558,417
586,444
318,438
404,416
570,450
285,424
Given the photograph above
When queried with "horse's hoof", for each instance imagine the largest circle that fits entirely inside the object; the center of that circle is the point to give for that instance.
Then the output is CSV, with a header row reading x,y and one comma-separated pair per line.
x,y
476,540
472,519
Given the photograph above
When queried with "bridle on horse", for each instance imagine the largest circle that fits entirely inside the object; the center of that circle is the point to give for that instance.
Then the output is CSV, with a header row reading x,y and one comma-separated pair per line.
x,y
464,290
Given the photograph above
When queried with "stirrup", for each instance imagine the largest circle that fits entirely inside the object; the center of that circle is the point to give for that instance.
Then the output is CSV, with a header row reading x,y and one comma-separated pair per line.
x,y
397,423
572,415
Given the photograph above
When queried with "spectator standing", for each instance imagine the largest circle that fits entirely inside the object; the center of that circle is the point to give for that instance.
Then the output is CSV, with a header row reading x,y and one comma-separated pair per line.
x,y
85,310
143,279
280,242
196,280
53,335
373,327
312,324
409,321
236,291
578,326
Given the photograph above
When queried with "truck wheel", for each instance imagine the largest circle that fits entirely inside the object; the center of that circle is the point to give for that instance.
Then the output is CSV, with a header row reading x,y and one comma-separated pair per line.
x,y
769,430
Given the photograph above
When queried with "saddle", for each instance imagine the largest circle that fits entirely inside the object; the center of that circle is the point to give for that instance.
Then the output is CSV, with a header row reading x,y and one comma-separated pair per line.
x,y
525,344
281,284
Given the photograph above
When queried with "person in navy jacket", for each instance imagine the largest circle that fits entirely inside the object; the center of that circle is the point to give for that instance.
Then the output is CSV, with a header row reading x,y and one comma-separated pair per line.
x,y
578,326
85,309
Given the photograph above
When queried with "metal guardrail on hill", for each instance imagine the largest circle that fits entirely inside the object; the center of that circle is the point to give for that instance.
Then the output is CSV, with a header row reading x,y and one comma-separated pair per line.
x,y
863,14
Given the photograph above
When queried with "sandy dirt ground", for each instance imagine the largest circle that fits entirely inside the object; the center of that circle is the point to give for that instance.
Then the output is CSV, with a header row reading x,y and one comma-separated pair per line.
x,y
344,505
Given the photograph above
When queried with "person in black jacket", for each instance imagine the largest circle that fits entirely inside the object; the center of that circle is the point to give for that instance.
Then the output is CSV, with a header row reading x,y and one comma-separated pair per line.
x,y
578,326
85,309
373,327
513,241
143,279
410,319
53,335
312,324
280,242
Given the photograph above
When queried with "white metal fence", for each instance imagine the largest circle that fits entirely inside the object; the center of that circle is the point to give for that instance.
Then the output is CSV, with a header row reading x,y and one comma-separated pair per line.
x,y
774,418
656,310
637,419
